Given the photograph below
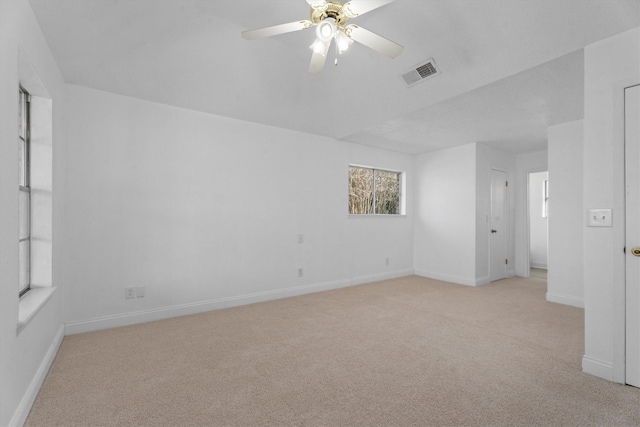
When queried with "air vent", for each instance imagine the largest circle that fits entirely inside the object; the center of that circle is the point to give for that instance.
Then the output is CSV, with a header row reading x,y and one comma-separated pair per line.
x,y
422,72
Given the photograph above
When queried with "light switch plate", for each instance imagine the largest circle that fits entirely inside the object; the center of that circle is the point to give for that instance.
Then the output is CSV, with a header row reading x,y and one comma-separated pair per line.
x,y
599,218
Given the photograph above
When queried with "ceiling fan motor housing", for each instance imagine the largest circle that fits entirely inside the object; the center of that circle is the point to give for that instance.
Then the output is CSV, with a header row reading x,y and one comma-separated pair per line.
x,y
333,10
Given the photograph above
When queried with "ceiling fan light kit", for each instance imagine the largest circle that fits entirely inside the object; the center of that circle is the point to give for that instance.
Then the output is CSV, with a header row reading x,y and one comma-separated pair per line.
x,y
330,19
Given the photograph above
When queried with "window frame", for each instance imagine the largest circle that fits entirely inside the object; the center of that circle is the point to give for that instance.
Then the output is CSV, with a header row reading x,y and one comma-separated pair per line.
x,y
401,191
24,186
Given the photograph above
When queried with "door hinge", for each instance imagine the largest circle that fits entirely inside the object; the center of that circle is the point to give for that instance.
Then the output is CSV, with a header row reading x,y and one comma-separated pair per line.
x,y
506,261
506,183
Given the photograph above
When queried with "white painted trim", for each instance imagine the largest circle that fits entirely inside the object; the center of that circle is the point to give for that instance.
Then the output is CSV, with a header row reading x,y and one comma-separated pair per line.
x,y
535,265
484,280
31,303
133,318
22,411
382,276
597,368
446,278
565,299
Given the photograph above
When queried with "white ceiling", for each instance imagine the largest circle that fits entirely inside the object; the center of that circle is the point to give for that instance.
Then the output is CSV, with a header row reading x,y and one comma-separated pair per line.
x,y
509,68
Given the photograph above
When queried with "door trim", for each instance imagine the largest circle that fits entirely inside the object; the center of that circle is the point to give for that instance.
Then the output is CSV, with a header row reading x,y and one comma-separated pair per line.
x,y
619,266
527,234
504,216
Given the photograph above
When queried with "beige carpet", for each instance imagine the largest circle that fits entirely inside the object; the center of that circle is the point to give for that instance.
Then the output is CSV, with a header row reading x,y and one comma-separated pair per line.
x,y
404,352
540,273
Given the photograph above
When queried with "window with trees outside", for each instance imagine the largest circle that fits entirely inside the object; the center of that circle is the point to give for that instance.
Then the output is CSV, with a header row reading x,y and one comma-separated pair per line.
x,y
24,190
374,191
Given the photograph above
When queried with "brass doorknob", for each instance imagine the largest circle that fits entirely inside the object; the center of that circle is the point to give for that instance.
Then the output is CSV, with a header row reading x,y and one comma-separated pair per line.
x,y
494,231
635,251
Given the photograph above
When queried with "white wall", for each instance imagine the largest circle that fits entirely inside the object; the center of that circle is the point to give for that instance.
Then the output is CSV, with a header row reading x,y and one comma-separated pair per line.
x,y
205,212
453,188
537,223
25,357
445,214
610,65
565,280
525,164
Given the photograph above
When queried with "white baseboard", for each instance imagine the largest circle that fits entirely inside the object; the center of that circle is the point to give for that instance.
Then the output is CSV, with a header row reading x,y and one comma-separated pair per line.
x,y
22,411
597,368
565,299
536,265
382,276
483,281
446,278
133,318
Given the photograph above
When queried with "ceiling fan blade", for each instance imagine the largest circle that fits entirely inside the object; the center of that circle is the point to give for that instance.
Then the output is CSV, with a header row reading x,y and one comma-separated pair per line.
x,y
275,30
374,41
319,56
355,8
317,4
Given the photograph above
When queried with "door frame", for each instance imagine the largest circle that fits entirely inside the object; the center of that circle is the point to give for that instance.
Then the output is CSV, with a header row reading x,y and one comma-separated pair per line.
x,y
527,234
619,232
627,279
529,221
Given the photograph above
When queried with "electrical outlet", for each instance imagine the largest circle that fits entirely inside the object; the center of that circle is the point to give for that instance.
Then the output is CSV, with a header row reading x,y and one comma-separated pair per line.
x,y
140,291
300,272
300,238
130,292
386,261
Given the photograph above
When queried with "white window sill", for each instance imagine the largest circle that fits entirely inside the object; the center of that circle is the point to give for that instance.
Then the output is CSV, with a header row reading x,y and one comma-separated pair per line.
x,y
377,216
30,303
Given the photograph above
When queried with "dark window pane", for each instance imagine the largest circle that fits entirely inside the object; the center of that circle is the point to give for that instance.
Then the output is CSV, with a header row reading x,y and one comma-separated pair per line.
x,y
360,190
22,162
387,186
24,214
24,264
22,126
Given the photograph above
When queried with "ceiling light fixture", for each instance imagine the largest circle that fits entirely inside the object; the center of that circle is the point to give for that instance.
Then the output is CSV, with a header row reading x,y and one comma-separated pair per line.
x,y
342,41
330,19
325,30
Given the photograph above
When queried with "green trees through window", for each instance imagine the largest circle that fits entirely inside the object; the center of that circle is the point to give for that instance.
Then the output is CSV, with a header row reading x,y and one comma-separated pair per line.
x,y
374,191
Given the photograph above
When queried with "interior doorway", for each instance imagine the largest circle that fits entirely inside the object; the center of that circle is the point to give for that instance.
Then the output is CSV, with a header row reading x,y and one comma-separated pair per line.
x,y
538,202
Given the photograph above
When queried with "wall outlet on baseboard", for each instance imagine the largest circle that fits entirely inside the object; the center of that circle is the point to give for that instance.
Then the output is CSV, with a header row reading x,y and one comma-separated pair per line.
x,y
300,272
130,292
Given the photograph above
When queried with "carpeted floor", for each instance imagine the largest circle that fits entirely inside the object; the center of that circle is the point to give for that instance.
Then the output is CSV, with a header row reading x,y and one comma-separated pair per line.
x,y
403,352
540,273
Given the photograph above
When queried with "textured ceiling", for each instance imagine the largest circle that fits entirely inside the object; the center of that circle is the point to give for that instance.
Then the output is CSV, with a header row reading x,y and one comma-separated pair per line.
x,y
509,68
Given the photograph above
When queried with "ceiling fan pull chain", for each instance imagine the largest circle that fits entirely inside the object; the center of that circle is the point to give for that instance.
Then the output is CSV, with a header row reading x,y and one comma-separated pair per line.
x,y
335,62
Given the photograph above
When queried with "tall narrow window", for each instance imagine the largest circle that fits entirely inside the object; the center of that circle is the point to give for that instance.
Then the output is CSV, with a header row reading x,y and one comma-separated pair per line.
x,y
545,199
374,191
24,191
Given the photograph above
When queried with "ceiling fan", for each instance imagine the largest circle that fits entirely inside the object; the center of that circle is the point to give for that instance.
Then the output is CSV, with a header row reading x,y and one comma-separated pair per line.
x,y
330,19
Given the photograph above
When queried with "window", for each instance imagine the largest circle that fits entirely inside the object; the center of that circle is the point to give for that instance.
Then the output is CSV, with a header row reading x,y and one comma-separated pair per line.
x,y
374,191
24,190
545,198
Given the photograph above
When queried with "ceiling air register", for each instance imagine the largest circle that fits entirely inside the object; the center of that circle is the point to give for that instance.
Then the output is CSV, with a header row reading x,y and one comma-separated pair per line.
x,y
330,19
421,72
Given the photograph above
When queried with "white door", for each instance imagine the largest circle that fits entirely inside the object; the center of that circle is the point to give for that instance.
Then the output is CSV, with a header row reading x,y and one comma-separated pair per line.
x,y
632,261
497,236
